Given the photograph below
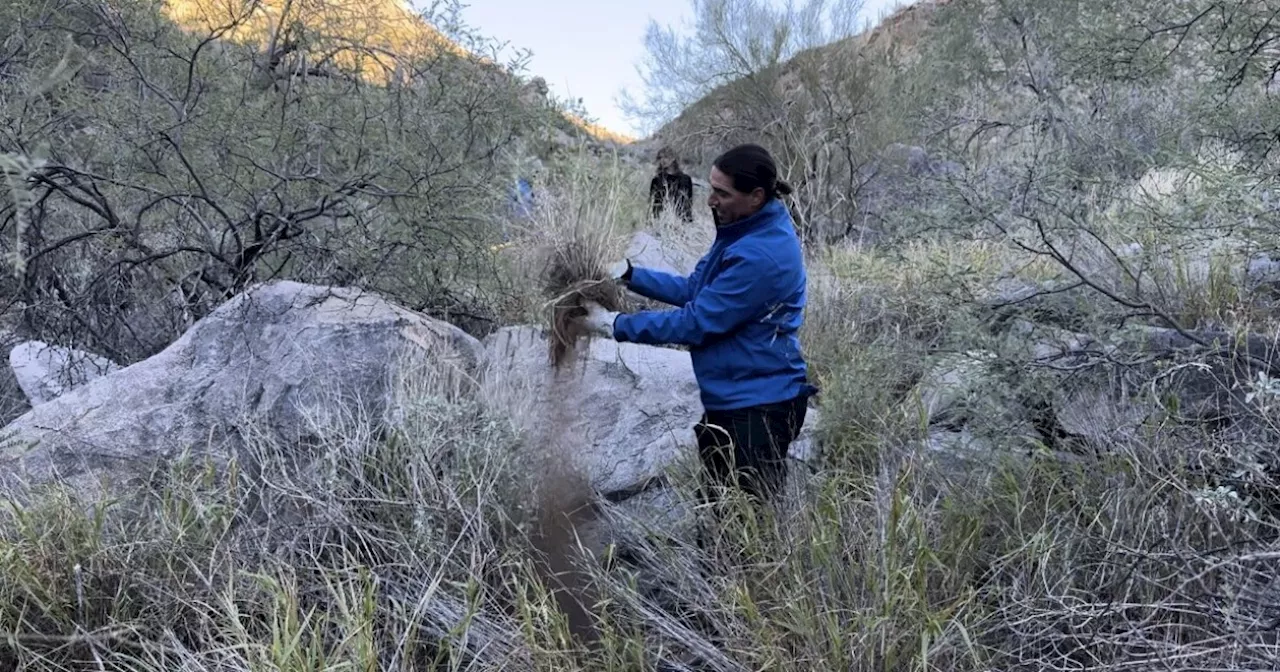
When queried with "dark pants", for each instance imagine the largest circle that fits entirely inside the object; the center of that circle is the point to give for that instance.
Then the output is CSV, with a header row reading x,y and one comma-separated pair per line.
x,y
747,448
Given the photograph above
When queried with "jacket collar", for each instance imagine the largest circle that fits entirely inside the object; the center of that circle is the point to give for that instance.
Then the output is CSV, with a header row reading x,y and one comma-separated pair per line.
x,y
769,212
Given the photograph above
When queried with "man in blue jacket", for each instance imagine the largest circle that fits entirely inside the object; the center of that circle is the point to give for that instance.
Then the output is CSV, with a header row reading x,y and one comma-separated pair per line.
x,y
739,312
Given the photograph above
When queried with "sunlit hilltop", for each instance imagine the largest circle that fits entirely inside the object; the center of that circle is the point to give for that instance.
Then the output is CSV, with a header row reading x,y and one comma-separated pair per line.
x,y
365,36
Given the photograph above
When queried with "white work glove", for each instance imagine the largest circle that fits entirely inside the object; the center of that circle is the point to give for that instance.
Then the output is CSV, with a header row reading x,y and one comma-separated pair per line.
x,y
598,320
620,270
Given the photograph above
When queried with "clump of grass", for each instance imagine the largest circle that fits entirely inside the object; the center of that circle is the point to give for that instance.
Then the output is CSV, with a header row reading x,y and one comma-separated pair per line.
x,y
578,229
576,276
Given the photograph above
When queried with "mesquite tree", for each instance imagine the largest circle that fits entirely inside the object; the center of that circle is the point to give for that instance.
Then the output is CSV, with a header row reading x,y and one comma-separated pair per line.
x,y
156,169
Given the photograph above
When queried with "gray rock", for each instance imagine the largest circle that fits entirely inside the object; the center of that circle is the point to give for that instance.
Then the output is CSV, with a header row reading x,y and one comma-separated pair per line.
x,y
285,361
1206,372
1099,415
805,448
13,401
1045,344
1263,271
1160,374
45,372
960,447
620,414
967,457
952,384
1009,291
1059,303
664,252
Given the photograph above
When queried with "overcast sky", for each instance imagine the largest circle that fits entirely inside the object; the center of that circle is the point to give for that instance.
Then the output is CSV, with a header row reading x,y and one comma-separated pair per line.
x,y
589,49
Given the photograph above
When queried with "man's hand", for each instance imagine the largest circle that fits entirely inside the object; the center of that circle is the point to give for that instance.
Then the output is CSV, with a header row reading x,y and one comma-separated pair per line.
x,y
620,272
598,320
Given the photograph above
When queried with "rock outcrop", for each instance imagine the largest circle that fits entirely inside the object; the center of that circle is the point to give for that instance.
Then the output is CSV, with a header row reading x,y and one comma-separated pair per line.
x,y
621,413
663,252
1081,395
13,401
284,361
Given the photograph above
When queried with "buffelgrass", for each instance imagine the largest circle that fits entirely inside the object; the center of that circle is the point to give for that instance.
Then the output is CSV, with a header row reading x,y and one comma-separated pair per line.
x,y
578,227
576,275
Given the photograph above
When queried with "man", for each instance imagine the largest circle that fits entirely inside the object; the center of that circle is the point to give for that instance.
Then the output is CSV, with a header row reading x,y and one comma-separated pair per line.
x,y
522,198
672,185
739,313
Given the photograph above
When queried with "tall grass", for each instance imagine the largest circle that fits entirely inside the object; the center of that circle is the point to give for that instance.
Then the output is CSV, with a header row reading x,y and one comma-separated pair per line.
x,y
409,560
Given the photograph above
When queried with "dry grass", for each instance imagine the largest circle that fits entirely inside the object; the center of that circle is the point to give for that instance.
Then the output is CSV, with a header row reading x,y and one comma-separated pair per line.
x,y
578,229
576,276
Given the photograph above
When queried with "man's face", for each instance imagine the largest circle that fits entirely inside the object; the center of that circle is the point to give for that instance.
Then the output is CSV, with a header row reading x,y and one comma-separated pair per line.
x,y
729,205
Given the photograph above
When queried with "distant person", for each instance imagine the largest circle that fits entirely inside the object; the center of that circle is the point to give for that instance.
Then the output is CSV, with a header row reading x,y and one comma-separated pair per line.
x,y
671,185
522,199
739,312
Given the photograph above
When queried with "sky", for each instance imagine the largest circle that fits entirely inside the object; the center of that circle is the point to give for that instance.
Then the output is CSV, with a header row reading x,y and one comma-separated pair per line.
x,y
589,49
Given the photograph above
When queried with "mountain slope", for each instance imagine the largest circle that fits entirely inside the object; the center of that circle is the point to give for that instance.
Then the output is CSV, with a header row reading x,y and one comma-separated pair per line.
x,y
703,123
374,37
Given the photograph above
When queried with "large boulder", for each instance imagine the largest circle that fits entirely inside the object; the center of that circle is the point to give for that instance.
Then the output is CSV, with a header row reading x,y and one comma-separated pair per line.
x,y
614,413
953,385
285,362
1202,376
666,251
620,413
46,372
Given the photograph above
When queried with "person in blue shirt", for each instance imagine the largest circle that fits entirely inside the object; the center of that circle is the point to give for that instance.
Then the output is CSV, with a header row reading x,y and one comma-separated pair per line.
x,y
522,198
739,313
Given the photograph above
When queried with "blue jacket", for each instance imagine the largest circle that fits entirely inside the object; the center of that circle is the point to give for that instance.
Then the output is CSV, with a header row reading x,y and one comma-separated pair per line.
x,y
739,313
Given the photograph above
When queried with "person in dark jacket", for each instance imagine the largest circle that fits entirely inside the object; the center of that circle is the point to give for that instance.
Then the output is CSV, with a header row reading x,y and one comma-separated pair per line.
x,y
671,185
739,313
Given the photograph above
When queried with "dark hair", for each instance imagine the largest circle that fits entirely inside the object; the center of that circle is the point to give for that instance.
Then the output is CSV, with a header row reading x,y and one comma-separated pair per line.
x,y
750,166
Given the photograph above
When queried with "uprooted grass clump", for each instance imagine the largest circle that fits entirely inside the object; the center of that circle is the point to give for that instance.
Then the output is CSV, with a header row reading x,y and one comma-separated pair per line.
x,y
578,226
576,276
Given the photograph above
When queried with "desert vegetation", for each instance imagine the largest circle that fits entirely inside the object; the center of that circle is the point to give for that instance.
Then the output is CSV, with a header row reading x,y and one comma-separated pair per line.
x,y
1042,246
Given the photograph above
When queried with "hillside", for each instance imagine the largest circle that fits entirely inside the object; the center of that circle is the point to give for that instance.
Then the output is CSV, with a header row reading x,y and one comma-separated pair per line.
x,y
710,121
374,38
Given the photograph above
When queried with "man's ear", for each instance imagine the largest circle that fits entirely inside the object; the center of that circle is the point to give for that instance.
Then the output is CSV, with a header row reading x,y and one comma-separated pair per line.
x,y
757,197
